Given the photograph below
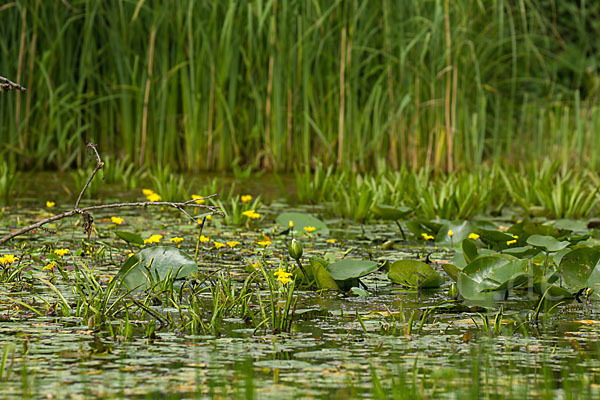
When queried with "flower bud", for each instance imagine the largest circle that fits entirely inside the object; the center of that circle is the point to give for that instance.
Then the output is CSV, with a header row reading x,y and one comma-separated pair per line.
x,y
453,291
295,249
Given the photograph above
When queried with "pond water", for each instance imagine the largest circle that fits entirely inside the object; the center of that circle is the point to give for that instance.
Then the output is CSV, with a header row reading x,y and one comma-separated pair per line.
x,y
338,346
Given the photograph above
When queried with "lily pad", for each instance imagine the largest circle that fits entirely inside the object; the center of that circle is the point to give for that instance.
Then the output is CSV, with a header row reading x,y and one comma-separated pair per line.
x,y
547,243
460,230
349,269
155,263
130,237
580,268
492,273
391,213
414,274
322,277
302,221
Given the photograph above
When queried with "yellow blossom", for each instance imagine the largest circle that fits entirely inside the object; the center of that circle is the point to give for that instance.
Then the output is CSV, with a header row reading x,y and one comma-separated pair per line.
x,y
153,239
147,192
450,233
218,245
199,199
291,224
252,214
153,197
515,236
117,220
264,243
508,243
208,217
473,236
204,239
49,267
282,276
427,237
61,252
255,265
176,239
310,229
50,204
232,243
332,241
246,198
8,259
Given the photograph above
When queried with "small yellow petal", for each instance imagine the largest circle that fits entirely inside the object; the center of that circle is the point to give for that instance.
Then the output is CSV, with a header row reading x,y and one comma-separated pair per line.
x,y
246,198
50,204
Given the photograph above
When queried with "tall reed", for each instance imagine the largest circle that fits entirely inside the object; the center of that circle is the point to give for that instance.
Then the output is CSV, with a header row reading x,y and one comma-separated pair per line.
x,y
200,84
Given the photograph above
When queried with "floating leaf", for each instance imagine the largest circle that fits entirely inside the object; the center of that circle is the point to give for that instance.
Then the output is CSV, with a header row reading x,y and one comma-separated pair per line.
x,y
155,263
130,237
348,269
580,268
493,236
414,274
302,221
322,277
469,250
390,212
460,230
547,243
492,273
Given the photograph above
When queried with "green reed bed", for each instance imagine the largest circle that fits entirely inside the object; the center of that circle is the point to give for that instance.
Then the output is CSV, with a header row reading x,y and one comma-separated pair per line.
x,y
203,85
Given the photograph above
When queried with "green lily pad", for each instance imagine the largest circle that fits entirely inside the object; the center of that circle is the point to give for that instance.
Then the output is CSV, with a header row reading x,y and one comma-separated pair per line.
x,y
460,230
322,277
390,212
488,235
130,237
570,225
452,270
349,269
469,250
492,273
155,264
580,268
547,243
414,274
301,221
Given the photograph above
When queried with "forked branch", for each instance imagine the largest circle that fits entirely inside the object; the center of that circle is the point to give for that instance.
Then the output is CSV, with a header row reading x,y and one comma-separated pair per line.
x,y
6,85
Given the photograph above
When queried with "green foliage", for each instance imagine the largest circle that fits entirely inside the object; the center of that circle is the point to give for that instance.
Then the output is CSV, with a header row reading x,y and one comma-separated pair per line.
x,y
414,274
199,85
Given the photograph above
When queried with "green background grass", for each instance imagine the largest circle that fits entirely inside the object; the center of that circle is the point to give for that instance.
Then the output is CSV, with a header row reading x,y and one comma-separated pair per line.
x,y
206,85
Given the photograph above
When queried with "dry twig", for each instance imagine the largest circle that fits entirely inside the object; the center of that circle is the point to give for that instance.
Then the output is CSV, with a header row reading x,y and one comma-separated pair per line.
x,y
88,219
7,84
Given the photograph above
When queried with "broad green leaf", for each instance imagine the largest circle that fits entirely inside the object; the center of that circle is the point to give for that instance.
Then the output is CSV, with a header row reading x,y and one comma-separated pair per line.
x,y
301,221
390,212
497,272
153,265
130,237
469,250
348,269
323,278
580,268
472,290
414,274
571,225
521,252
452,271
493,236
547,243
460,229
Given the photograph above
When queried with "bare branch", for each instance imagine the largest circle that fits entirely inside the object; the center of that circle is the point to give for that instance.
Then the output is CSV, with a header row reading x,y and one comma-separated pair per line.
x,y
99,165
178,206
7,84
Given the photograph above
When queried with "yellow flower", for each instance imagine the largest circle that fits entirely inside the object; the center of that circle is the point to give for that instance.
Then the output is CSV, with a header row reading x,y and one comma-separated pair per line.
x,y
153,239
515,236
246,198
218,245
264,243
511,242
50,204
332,241
176,239
427,237
49,267
255,265
232,243
199,199
61,252
204,239
8,259
282,276
450,233
252,214
473,236
310,229
208,217
117,220
153,197
291,224
148,192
